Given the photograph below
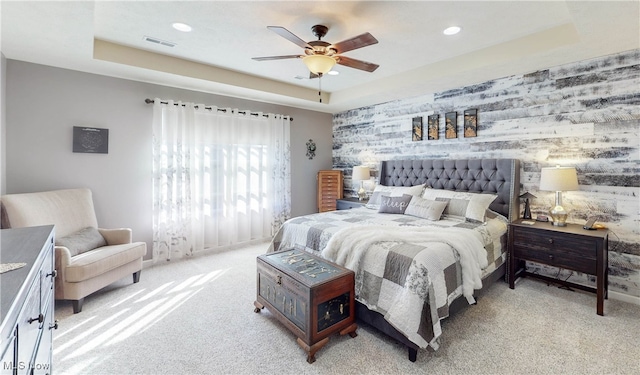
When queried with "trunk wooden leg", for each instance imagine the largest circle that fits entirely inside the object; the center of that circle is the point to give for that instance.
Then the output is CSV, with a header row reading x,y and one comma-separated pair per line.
x,y
351,330
258,306
311,350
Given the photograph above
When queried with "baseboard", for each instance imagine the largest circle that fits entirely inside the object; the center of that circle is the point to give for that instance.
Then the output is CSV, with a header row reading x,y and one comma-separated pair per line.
x,y
624,297
209,251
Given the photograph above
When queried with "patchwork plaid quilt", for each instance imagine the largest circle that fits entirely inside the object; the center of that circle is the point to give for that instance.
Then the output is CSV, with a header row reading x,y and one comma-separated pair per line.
x,y
408,269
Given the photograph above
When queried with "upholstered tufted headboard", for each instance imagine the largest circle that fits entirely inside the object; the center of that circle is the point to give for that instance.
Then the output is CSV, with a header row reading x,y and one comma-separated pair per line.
x,y
494,176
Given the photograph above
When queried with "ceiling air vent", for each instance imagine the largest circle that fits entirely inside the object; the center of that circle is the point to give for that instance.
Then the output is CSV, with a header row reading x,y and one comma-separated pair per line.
x,y
158,41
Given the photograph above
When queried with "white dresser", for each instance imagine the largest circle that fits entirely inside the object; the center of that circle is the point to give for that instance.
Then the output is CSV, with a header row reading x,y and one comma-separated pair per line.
x,y
27,301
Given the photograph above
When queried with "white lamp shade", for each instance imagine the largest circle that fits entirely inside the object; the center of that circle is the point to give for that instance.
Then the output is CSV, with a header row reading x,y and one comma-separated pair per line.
x,y
558,179
360,173
319,64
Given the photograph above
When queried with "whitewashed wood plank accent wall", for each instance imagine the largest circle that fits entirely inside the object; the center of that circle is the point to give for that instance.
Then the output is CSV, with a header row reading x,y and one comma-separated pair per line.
x,y
585,114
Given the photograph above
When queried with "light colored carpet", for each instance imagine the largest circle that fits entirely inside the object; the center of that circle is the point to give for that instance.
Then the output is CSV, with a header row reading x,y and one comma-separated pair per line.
x,y
196,316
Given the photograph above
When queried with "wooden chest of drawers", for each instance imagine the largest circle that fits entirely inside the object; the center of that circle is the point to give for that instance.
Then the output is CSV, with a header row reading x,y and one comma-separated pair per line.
x,y
329,189
311,296
570,247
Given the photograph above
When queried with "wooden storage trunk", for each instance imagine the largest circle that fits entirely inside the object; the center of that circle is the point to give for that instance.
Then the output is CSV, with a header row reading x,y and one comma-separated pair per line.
x,y
311,296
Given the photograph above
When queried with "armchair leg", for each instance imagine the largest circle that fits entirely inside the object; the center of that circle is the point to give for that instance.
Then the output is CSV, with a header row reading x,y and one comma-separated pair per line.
x,y
77,305
136,276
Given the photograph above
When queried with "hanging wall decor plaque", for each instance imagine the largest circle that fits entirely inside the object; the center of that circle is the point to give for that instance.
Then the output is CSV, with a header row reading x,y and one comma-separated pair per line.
x,y
417,129
451,125
471,123
433,126
90,140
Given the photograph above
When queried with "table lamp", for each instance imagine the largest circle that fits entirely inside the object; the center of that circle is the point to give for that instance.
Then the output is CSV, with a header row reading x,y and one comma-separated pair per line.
x,y
558,179
361,173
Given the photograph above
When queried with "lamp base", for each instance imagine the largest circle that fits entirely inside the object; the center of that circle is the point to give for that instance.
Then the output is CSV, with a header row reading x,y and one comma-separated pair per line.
x,y
362,194
559,216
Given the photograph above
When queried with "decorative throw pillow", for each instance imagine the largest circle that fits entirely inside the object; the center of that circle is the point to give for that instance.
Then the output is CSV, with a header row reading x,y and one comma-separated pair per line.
x,y
391,191
425,208
394,205
470,206
82,241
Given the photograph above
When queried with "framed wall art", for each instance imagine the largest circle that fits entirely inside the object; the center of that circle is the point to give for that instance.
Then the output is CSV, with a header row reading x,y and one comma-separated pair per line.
x,y
433,127
471,123
416,132
90,140
451,125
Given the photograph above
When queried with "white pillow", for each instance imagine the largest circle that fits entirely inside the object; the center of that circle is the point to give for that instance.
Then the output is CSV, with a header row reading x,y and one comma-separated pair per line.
x,y
425,208
391,191
470,206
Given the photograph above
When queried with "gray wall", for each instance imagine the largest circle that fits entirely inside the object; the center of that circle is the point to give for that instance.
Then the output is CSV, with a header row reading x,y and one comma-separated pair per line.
x,y
585,114
45,103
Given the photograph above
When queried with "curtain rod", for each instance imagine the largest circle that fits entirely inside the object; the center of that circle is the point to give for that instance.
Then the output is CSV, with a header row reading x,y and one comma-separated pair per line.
x,y
151,101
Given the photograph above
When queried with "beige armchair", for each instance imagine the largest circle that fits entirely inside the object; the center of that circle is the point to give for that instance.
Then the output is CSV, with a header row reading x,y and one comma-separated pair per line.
x,y
81,268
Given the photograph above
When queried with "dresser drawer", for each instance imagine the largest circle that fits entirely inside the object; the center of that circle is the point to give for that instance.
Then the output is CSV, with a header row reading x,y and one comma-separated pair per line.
x,y
30,325
47,276
560,250
344,204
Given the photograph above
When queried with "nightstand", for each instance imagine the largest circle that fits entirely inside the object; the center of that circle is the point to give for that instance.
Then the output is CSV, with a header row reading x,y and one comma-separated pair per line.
x,y
570,247
349,203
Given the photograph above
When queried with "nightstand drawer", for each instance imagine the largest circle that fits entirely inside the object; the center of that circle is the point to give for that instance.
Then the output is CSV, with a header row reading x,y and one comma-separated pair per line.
x,y
556,249
344,204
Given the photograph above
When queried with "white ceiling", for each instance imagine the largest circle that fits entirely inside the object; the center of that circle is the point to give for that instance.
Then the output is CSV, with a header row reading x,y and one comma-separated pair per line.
x,y
498,38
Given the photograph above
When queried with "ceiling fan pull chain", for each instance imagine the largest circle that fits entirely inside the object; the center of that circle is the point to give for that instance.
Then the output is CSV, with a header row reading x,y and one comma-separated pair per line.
x,y
320,86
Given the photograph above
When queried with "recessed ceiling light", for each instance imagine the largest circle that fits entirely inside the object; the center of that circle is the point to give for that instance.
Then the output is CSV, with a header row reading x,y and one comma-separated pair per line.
x,y
181,27
333,73
451,30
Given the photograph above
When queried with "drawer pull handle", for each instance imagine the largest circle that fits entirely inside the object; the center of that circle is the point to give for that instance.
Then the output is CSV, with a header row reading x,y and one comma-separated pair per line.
x,y
550,240
54,325
550,256
53,274
278,279
39,319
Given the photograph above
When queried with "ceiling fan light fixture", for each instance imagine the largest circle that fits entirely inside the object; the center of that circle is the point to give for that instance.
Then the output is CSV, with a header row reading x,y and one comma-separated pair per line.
x,y
319,64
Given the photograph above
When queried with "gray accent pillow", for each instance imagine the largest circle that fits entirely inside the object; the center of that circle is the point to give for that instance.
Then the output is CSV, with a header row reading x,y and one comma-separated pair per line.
x,y
394,205
425,208
391,191
82,241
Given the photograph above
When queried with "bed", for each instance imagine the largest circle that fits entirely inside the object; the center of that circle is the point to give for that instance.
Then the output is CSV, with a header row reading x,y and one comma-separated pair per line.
x,y
431,240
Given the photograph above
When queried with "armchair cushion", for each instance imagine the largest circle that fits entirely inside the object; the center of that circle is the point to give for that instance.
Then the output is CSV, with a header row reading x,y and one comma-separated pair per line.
x,y
98,261
82,241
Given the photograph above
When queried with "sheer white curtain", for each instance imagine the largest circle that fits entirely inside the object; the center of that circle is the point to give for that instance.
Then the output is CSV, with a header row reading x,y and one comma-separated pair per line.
x,y
220,178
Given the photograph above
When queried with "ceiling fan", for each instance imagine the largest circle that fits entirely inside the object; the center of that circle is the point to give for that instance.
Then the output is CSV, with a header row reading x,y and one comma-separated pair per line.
x,y
320,56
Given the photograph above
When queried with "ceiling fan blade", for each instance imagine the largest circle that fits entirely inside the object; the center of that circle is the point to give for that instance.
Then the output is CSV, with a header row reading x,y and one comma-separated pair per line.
x,y
288,35
357,64
356,42
266,58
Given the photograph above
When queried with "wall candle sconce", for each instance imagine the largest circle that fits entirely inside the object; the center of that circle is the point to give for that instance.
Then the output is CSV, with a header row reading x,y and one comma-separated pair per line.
x,y
311,149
